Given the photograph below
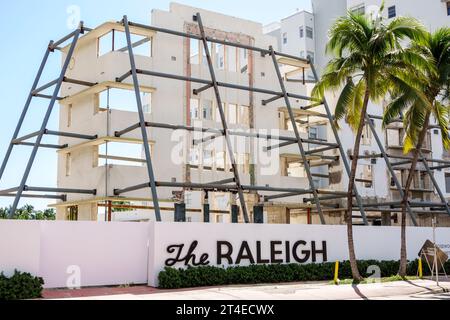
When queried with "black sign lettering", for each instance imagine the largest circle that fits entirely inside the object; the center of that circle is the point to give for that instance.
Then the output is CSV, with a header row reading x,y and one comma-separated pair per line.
x,y
278,252
189,258
306,253
314,251
288,252
259,259
274,252
247,255
227,254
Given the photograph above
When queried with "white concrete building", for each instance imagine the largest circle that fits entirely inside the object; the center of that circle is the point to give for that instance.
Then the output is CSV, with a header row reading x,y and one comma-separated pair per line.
x,y
109,162
376,184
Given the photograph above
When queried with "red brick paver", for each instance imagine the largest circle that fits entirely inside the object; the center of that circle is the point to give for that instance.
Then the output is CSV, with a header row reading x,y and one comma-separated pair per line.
x,y
97,292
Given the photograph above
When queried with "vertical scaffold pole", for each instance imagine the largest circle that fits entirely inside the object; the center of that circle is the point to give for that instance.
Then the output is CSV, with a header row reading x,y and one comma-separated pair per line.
x,y
148,158
45,120
435,184
25,109
389,167
297,136
223,119
341,148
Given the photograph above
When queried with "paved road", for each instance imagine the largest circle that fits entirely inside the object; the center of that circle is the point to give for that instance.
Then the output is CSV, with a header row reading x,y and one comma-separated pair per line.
x,y
399,290
421,296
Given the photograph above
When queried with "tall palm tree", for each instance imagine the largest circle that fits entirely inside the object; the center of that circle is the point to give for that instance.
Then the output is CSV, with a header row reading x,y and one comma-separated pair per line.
x,y
367,56
425,94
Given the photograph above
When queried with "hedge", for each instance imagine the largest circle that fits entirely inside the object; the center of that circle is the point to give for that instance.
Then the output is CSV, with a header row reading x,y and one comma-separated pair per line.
x,y
20,286
171,278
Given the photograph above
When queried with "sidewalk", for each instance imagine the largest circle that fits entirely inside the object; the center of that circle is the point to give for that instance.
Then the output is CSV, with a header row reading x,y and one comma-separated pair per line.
x,y
298,291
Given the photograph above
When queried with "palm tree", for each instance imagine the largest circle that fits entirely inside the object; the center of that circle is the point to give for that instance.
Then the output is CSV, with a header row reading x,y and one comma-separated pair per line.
x,y
367,56
426,94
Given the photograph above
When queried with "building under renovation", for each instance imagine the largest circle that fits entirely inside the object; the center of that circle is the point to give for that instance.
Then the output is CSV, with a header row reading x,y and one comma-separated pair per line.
x,y
203,117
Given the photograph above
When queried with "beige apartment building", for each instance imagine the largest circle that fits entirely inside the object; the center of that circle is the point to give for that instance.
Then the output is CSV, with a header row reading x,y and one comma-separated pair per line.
x,y
109,162
113,158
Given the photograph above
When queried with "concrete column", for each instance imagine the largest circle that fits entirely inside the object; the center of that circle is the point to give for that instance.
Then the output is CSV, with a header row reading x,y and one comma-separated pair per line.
x,y
206,208
180,212
206,216
258,214
234,213
385,218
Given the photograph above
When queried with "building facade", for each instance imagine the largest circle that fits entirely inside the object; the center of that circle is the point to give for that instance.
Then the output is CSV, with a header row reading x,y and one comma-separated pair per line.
x,y
112,162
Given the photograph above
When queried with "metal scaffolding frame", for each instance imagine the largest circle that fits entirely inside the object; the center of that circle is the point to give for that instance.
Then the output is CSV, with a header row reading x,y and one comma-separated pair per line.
x,y
233,185
226,133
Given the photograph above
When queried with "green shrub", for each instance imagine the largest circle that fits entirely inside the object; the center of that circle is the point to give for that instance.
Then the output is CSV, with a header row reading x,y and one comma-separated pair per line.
x,y
171,278
20,286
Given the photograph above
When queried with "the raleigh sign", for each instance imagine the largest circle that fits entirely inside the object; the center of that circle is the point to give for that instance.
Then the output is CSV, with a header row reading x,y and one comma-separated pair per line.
x,y
180,245
247,252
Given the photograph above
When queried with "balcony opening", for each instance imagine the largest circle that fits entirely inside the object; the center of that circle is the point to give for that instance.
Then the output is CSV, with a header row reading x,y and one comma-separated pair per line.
x,y
120,154
395,138
286,124
122,99
421,180
115,41
292,167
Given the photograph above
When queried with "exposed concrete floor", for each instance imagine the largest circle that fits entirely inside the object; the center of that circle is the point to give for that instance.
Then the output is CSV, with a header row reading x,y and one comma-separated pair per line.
x,y
399,290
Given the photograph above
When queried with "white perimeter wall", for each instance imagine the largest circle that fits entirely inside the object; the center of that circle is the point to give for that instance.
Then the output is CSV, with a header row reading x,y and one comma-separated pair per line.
x,y
106,253
125,253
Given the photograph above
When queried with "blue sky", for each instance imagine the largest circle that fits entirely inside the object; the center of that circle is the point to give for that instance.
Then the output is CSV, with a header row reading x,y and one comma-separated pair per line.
x,y
26,28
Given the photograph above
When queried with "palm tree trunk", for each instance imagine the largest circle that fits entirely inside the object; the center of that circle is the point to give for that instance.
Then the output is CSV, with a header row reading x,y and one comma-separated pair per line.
x,y
351,183
403,253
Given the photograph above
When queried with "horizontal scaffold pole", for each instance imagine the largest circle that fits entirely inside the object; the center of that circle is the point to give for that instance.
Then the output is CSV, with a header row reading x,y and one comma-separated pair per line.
x,y
71,135
43,145
285,195
210,186
208,82
46,96
213,40
63,39
318,150
218,131
225,181
61,190
265,102
26,137
36,196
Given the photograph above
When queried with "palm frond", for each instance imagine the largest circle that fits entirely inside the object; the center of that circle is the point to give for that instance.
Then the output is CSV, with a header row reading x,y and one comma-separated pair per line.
x,y
407,28
414,122
441,113
354,109
344,101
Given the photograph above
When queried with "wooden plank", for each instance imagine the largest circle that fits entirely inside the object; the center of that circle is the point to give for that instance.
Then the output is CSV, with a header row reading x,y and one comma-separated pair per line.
x,y
293,62
300,112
